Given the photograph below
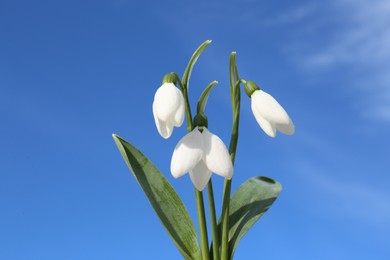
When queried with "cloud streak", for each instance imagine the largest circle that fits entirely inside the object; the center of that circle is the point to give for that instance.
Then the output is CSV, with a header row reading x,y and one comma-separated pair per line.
x,y
358,36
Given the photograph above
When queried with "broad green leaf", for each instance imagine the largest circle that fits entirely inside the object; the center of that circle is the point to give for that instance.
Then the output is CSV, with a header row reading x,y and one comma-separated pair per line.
x,y
251,200
165,201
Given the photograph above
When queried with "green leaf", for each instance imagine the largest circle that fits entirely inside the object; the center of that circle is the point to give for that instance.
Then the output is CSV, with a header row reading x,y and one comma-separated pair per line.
x,y
165,201
191,63
251,200
205,96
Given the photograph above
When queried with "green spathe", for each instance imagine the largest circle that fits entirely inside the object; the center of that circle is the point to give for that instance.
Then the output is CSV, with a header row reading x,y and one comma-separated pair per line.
x,y
204,97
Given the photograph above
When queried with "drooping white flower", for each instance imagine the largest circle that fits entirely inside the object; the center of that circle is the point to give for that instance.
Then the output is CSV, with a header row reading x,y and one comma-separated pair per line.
x,y
168,109
201,154
270,114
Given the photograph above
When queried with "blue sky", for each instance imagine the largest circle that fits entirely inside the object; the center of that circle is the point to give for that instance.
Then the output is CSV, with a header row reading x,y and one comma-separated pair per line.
x,y
74,72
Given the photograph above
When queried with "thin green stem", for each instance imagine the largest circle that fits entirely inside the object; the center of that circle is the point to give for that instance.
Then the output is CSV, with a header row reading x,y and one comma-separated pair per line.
x,y
213,218
225,220
235,97
204,243
188,111
226,193
198,194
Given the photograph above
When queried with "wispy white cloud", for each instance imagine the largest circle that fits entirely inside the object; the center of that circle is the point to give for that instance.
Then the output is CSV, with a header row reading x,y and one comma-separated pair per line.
x,y
358,38
363,36
288,16
347,35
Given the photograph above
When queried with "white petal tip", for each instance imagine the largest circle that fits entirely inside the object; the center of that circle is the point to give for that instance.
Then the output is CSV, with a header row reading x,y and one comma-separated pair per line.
x,y
200,188
176,174
176,169
165,136
272,135
199,184
287,129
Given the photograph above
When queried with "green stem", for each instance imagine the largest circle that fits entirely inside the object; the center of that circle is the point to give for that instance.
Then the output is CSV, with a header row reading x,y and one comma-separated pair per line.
x,y
198,194
213,218
226,193
225,220
188,111
202,225
236,96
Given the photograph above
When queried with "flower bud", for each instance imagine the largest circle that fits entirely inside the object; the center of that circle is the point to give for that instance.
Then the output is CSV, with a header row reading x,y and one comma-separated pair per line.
x,y
168,108
270,115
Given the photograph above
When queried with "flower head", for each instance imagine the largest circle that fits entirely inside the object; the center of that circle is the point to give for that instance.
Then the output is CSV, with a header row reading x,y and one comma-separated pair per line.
x,y
168,109
200,153
269,114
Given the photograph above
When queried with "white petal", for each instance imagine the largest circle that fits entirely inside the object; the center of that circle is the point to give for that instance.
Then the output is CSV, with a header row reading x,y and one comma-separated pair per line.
x,y
287,129
216,155
188,152
267,127
164,129
268,108
179,115
167,100
200,175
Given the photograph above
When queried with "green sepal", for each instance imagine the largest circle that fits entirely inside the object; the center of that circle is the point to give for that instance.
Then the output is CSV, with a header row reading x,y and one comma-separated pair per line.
x,y
250,87
250,201
170,78
163,198
204,97
191,63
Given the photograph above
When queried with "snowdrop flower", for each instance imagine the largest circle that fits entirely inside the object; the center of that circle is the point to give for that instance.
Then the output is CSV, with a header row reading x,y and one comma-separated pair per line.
x,y
200,153
269,114
168,109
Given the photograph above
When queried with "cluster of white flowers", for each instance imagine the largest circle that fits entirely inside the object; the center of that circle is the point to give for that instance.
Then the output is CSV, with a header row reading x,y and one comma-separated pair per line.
x,y
200,152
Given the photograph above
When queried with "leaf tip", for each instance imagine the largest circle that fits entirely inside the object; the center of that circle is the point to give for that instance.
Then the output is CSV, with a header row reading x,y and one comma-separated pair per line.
x,y
117,138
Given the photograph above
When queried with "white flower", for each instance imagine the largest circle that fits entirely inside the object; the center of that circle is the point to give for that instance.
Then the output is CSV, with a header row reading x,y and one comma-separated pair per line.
x,y
270,114
168,109
200,154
